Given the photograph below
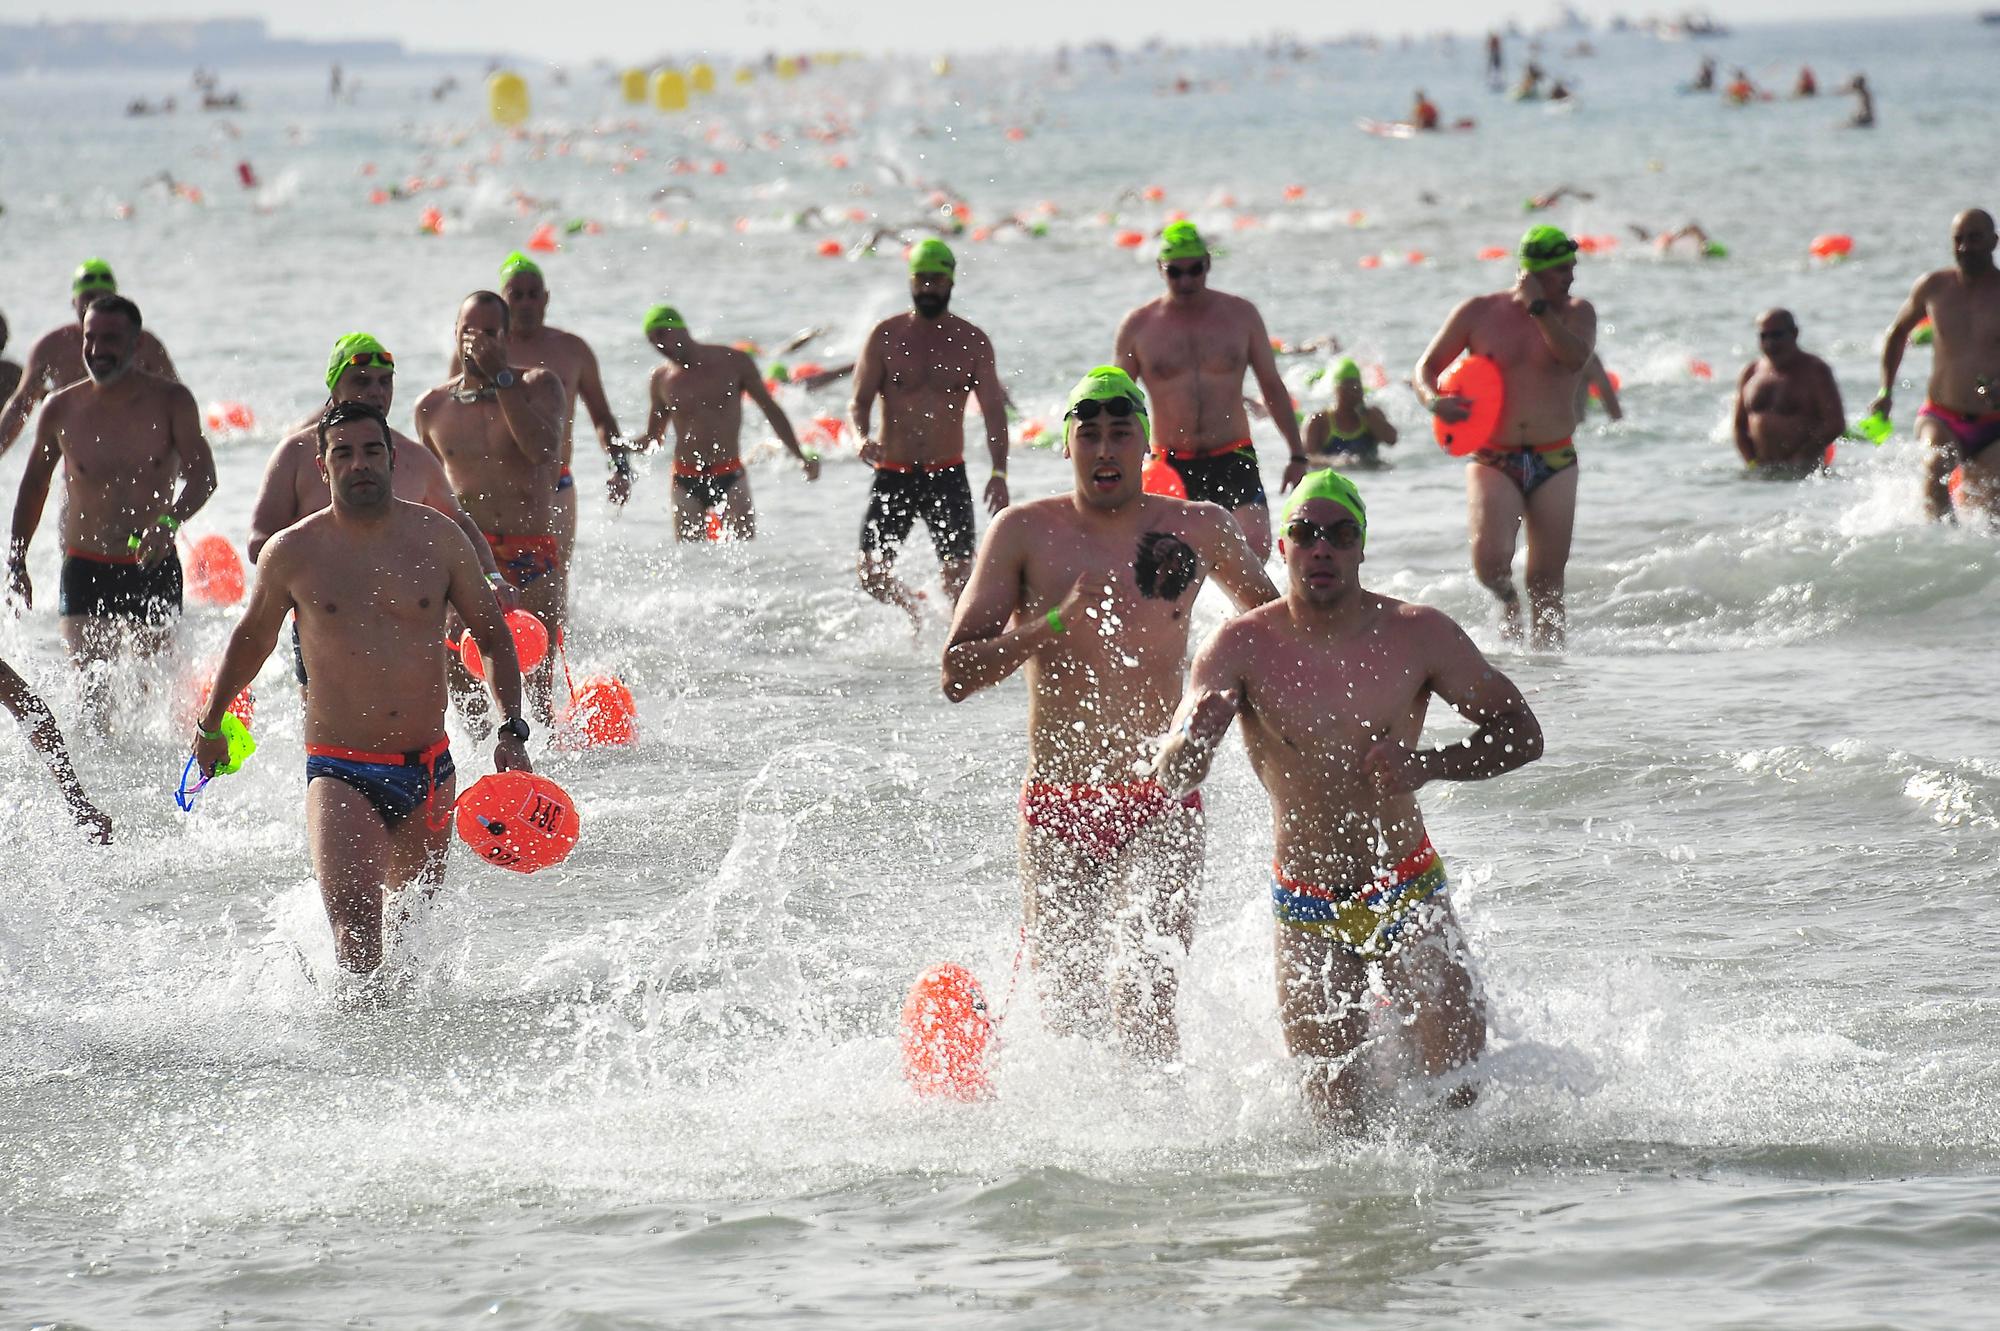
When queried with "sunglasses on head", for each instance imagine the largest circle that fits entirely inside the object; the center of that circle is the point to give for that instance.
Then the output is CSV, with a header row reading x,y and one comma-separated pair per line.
x,y
378,358
1195,269
1342,535
1118,408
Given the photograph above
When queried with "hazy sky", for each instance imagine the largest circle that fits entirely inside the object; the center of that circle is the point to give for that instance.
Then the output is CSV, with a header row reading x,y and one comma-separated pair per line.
x,y
574,30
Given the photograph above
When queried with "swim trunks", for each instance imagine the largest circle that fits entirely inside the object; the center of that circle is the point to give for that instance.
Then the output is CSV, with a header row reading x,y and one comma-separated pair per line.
x,y
1368,920
1529,467
525,559
1973,433
1227,475
396,784
709,486
120,588
565,480
901,494
1100,820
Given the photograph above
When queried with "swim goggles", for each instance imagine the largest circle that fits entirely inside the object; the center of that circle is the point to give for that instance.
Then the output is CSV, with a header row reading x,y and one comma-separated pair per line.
x,y
1118,408
1342,535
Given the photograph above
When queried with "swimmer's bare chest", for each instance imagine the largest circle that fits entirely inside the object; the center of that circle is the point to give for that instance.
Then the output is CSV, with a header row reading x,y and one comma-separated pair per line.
x,y
1173,347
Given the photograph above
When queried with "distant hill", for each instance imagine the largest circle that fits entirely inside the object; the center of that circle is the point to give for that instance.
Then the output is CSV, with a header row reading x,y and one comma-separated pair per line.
x,y
174,44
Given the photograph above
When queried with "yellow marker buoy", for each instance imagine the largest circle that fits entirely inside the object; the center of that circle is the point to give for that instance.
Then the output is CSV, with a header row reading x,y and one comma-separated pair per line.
x,y
941,66
745,74
787,67
632,83
670,90
702,78
507,97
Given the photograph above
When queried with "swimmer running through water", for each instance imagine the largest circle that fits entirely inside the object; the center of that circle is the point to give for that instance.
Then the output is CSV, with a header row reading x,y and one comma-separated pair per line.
x,y
56,360
1332,684
1351,432
1092,592
1787,407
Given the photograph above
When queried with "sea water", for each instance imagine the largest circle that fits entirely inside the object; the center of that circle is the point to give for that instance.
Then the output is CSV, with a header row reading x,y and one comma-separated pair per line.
x,y
1734,928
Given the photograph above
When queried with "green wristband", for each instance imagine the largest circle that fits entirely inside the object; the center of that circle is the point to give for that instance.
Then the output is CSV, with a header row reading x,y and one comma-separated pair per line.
x,y
1055,621
169,521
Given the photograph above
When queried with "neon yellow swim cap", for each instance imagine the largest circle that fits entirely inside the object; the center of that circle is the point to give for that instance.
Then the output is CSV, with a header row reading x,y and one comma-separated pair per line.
x,y
1546,247
518,262
1182,241
933,256
1326,484
1107,383
241,744
1345,370
663,316
93,275
353,348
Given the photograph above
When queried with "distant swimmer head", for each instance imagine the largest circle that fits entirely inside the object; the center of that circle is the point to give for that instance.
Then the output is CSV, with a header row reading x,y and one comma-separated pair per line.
x,y
667,331
93,279
1310,503
527,295
1184,258
357,454
1347,379
933,269
1777,335
361,370
111,327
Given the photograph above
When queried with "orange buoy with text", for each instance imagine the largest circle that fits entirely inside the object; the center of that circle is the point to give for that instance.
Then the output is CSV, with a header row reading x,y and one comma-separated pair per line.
x,y
214,570
519,821
531,644
946,1034
1161,477
601,713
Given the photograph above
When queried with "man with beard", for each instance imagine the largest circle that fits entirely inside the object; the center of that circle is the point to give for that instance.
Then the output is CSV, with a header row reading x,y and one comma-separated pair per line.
x,y
498,432
56,361
1542,338
1960,418
124,439
1332,683
1787,404
1093,593
922,365
1190,348
370,578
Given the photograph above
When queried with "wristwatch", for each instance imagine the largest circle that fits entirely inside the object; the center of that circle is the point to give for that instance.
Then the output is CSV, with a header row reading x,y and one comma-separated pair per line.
x,y
505,379
515,729
1536,308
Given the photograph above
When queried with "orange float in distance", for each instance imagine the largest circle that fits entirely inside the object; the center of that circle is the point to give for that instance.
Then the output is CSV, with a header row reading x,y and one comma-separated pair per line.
x,y
1476,379
214,571
1130,240
1160,477
946,1034
1833,245
519,821
828,248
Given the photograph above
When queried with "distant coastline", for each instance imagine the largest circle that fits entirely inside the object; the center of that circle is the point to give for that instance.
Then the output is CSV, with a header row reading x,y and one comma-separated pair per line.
x,y
88,44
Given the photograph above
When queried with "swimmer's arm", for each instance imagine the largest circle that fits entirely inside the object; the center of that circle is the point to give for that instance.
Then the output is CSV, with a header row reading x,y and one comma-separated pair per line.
x,y
1831,417
1277,397
992,399
34,493
34,386
1607,392
533,410
1125,348
1231,561
869,372
46,738
277,505
781,424
1893,342
982,651
658,410
1446,347
473,597
1214,693
1746,449
197,462
1508,734
1570,336
1379,426
250,643
420,422
1318,429
590,387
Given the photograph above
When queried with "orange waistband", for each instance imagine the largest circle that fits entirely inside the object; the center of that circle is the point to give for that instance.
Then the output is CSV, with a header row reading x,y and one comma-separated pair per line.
x,y
71,552
1401,871
530,541
926,467
414,758
729,468
1203,454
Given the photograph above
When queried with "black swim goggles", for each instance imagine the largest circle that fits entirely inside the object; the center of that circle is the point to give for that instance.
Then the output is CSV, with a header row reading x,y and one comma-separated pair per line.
x,y
1118,408
1342,535
1549,252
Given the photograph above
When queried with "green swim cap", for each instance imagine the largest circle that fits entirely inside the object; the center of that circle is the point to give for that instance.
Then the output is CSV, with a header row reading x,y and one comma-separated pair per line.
x,y
1327,484
664,316
932,256
1106,383
93,275
1182,241
1345,370
241,744
1546,247
347,348
518,262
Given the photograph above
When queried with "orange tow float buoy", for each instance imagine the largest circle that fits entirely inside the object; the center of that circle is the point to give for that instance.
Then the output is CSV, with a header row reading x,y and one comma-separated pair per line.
x,y
215,572
519,821
1161,477
531,644
602,714
946,1033
1478,380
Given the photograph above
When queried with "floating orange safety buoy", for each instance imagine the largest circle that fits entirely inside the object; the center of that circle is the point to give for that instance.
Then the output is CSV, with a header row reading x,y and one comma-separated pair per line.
x,y
1375,376
1478,381
1701,369
1954,485
519,821
946,1033
1152,194
1415,257
1369,261
226,417
1015,134
806,369
1161,477
1826,458
531,644
1494,252
1833,245
601,714
215,573
829,248
543,240
1293,193
712,529
1130,240
1032,430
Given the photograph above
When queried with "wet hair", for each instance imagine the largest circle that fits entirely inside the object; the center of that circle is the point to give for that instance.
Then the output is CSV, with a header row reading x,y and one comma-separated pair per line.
x,y
1166,566
493,298
115,304
346,413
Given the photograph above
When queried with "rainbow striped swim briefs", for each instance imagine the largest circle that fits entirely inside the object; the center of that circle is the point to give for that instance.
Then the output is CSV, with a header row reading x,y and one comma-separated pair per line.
x,y
1369,920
